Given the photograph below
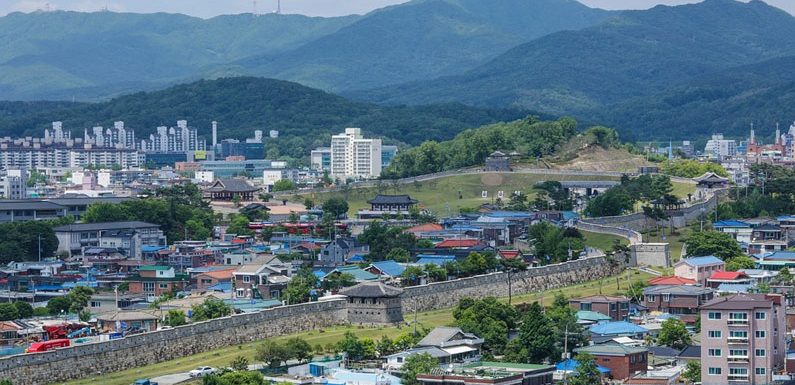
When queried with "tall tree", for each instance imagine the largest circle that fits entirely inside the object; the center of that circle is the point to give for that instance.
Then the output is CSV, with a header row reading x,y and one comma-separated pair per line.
x,y
536,340
674,334
587,372
417,364
716,243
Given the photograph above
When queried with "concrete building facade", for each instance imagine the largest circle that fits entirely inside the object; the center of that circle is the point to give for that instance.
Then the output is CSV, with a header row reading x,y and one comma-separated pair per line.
x,y
353,156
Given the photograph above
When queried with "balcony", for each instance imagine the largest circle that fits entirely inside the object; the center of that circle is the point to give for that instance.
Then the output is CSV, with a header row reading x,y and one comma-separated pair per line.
x,y
737,322
738,377
738,340
741,359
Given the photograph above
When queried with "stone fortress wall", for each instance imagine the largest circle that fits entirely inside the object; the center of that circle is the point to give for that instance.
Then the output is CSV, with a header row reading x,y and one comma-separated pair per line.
x,y
149,348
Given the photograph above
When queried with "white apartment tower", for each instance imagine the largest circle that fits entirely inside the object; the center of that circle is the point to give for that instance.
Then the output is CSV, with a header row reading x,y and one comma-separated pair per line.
x,y
352,156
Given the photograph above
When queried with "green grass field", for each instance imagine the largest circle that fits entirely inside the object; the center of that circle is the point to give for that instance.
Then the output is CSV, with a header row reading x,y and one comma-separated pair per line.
x,y
441,196
224,356
602,242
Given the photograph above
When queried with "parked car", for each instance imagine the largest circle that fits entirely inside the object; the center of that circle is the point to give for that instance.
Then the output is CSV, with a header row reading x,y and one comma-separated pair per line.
x,y
144,381
202,371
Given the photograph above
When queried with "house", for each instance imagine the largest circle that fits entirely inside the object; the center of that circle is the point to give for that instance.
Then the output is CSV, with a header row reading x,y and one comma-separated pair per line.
x,y
776,260
787,223
102,302
623,361
698,268
373,302
154,281
569,365
388,205
739,230
616,307
212,278
439,260
122,321
336,252
264,278
731,277
419,231
228,189
608,330
128,237
358,274
449,345
743,339
758,276
587,317
682,301
457,244
388,269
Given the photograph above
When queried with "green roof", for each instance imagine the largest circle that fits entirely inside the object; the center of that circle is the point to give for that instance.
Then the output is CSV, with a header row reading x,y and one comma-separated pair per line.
x,y
588,315
508,365
153,268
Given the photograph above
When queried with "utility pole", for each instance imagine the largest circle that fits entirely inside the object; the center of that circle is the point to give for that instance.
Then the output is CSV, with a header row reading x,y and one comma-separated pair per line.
x,y
39,237
415,316
509,286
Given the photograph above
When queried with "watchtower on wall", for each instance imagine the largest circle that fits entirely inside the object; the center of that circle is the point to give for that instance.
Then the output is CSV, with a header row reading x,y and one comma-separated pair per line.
x,y
374,303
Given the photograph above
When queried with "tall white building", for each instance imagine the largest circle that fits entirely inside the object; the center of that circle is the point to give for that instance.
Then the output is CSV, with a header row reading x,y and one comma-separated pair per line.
x,y
720,148
352,156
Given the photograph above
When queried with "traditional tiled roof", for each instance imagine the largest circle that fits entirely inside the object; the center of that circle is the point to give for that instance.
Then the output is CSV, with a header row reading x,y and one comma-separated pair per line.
x,y
439,335
232,185
382,199
372,290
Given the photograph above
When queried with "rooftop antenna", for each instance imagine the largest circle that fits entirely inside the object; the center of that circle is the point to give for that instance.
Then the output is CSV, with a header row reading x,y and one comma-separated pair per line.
x,y
278,7
254,10
46,7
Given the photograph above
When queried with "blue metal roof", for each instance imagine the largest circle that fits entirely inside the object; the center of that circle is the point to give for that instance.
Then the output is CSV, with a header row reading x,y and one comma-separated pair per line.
x,y
224,287
151,249
702,261
390,268
45,288
780,256
729,223
618,327
733,288
424,259
508,214
786,218
355,259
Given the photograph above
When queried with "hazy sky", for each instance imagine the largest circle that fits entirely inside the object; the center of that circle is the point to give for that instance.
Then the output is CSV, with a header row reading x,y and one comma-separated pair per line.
x,y
209,8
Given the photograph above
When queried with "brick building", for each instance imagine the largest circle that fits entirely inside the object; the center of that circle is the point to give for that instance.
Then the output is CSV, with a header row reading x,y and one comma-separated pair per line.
x,y
616,307
682,301
623,361
154,281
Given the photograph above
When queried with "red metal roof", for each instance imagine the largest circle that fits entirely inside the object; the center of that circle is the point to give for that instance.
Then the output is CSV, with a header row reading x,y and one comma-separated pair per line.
x,y
727,275
671,280
457,243
509,254
425,228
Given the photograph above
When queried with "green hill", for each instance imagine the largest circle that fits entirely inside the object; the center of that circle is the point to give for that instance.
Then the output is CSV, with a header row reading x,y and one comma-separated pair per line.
x,y
304,116
634,54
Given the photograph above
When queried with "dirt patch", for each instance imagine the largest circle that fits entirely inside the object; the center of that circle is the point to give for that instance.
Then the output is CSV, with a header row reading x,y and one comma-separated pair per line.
x,y
492,180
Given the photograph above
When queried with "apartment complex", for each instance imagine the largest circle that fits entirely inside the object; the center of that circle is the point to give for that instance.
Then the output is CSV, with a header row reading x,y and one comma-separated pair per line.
x,y
353,156
742,339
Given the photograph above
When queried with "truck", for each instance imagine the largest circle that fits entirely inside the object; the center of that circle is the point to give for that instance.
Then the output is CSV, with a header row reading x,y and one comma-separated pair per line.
x,y
144,381
45,346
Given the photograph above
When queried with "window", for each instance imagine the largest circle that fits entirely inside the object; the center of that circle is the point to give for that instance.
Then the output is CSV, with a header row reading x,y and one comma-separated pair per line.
x,y
714,334
760,352
738,353
714,371
760,371
240,293
760,334
714,352
713,315
95,304
760,315
738,334
739,371
163,286
585,306
246,278
651,298
666,297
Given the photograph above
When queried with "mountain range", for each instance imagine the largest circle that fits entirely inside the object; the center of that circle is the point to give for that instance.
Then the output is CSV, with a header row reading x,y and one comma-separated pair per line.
x,y
89,56
663,73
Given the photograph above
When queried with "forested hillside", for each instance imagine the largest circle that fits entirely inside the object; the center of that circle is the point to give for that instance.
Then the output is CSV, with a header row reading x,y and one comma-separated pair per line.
x,y
305,117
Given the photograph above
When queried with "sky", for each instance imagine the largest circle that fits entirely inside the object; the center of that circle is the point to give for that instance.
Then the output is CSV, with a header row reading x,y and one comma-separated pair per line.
x,y
210,8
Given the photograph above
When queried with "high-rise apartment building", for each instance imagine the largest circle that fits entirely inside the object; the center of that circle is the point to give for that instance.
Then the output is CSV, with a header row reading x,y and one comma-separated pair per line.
x,y
742,339
352,156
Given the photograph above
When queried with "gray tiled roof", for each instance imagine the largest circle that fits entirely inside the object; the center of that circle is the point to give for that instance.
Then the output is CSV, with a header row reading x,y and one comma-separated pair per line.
x,y
381,199
26,204
740,301
372,290
233,185
677,290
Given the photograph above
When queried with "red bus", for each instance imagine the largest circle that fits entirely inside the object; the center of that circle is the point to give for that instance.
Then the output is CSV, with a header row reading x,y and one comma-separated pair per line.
x,y
44,346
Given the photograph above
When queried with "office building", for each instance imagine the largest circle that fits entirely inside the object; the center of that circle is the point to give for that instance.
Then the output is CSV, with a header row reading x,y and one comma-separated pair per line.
x,y
353,156
719,148
742,339
14,185
126,237
320,159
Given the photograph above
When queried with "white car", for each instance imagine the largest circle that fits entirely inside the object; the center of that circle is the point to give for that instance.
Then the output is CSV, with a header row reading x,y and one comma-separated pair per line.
x,y
202,371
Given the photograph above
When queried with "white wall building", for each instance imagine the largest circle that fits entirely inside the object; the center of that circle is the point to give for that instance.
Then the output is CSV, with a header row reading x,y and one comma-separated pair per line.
x,y
205,176
719,148
352,156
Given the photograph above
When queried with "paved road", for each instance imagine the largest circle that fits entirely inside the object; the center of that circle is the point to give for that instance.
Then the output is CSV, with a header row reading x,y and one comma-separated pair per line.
x,y
171,379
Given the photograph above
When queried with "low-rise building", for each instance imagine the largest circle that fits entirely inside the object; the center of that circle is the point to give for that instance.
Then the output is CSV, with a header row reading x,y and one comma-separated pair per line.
x,y
616,307
123,321
698,268
127,237
447,344
491,373
228,189
154,281
264,278
623,361
743,339
388,205
682,301
739,230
